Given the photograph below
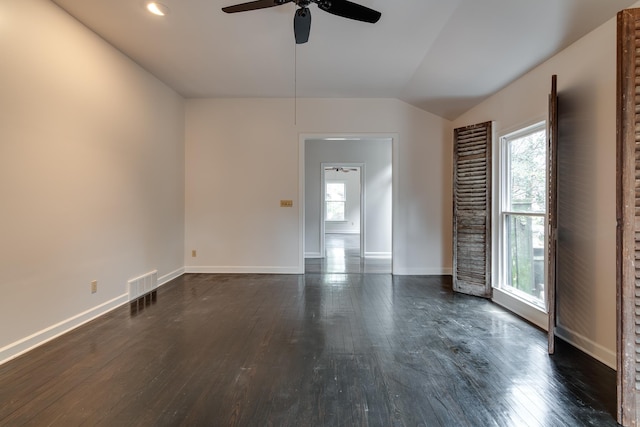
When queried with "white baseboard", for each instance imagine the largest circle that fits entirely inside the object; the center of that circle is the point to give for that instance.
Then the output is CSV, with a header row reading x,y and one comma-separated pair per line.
x,y
313,255
357,231
400,271
379,255
242,270
26,344
593,349
170,276
539,318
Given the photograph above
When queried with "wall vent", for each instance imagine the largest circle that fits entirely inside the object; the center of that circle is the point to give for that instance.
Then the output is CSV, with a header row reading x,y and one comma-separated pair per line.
x,y
143,285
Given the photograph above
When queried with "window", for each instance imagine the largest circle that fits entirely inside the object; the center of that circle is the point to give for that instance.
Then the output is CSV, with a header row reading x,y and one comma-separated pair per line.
x,y
523,196
335,200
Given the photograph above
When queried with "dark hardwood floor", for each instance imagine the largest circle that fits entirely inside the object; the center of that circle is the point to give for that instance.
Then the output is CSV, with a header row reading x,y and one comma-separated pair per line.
x,y
312,350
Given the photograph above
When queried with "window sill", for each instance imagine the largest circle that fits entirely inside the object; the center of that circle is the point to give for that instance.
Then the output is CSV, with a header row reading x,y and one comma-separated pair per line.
x,y
522,308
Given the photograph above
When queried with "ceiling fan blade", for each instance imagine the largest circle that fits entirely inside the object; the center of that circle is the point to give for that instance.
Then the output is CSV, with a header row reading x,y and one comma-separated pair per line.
x,y
350,10
302,25
253,5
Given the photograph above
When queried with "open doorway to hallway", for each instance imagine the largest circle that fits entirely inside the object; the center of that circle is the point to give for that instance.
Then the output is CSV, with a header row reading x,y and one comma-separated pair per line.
x,y
348,205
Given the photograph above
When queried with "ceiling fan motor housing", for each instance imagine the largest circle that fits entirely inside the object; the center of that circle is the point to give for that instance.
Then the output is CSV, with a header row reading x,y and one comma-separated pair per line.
x,y
302,25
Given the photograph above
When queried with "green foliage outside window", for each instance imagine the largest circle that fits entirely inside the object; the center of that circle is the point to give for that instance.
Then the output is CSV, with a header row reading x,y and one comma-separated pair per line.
x,y
527,195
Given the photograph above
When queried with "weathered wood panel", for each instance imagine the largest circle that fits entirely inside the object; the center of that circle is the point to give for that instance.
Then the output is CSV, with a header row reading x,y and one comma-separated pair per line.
x,y
552,193
472,210
628,217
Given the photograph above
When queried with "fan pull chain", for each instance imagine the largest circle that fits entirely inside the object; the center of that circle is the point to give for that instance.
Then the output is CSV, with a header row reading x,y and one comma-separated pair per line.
x,y
295,84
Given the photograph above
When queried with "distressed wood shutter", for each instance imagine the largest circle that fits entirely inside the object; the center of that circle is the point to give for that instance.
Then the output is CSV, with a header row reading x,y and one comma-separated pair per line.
x,y
628,217
472,210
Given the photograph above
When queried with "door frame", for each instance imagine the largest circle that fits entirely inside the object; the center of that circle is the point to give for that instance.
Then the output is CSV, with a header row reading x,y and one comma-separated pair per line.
x,y
302,138
628,413
323,209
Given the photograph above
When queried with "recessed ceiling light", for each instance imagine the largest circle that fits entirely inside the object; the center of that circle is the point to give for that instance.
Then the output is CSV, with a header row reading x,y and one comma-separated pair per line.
x,y
157,8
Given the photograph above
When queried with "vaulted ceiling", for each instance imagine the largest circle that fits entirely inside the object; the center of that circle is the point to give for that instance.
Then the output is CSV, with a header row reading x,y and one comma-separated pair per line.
x,y
441,56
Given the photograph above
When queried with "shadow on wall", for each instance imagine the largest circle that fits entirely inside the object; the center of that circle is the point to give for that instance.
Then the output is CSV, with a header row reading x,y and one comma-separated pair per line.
x,y
576,210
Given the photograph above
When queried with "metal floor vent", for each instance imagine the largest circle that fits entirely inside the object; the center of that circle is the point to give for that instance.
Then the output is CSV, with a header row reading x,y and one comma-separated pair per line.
x,y
142,289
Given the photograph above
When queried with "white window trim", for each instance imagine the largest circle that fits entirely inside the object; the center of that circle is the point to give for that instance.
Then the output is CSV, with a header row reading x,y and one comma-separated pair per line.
x,y
503,295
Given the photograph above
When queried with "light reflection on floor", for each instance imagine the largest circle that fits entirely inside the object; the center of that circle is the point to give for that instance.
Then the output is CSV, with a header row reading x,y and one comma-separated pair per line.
x,y
336,279
342,255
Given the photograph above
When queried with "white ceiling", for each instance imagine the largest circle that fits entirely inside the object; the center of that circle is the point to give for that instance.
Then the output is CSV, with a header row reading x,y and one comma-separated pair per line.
x,y
443,56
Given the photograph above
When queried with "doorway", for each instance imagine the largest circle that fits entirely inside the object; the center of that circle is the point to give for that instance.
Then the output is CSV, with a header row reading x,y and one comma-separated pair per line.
x,y
341,211
348,204
342,231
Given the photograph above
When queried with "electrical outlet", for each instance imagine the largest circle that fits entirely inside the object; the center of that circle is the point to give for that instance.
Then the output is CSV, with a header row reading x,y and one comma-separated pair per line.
x,y
193,253
94,286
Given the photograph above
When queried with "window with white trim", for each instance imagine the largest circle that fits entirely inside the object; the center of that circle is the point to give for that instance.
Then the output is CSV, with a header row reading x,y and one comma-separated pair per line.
x,y
522,214
335,200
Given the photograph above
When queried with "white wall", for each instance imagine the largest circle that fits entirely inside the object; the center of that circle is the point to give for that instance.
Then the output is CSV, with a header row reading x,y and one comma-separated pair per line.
x,y
587,188
237,225
376,155
91,174
351,180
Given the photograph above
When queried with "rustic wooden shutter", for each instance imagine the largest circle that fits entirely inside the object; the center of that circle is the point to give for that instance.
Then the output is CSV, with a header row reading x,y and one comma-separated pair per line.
x,y
552,218
628,217
472,210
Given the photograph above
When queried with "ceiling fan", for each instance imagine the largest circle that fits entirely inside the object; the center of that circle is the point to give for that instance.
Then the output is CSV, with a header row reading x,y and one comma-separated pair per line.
x,y
345,170
302,18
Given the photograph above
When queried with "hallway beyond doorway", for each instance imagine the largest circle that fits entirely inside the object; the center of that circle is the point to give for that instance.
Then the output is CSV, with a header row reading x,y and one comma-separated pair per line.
x,y
342,255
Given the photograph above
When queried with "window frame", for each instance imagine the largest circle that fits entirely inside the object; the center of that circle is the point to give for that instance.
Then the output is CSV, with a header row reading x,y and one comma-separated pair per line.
x,y
344,202
503,211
